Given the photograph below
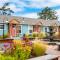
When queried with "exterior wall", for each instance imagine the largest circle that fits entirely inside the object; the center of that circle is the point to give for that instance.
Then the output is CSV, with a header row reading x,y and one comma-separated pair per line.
x,y
24,29
5,29
43,28
30,28
37,28
56,29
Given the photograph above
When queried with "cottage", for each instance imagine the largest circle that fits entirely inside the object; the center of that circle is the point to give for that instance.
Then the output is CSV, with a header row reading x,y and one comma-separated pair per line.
x,y
17,26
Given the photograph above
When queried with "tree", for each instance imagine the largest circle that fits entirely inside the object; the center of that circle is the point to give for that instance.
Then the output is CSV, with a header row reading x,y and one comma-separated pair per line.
x,y
47,14
5,11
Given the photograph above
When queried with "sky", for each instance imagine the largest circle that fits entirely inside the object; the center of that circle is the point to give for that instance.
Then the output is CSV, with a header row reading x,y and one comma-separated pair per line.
x,y
30,8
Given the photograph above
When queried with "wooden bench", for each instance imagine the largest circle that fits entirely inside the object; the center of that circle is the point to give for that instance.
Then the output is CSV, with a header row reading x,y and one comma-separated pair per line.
x,y
46,57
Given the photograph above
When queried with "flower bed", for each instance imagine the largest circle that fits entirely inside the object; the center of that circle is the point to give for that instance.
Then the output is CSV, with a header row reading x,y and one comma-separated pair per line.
x,y
23,50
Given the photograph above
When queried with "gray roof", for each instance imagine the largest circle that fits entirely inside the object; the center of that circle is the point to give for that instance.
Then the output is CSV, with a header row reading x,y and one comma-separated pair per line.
x,y
30,21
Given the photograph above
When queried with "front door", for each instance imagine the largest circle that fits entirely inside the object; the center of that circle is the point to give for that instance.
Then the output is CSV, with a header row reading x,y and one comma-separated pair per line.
x,y
13,30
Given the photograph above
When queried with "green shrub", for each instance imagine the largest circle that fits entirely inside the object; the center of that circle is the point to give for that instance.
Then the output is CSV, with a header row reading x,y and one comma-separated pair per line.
x,y
3,57
39,35
5,36
34,34
38,49
22,53
27,35
18,53
42,35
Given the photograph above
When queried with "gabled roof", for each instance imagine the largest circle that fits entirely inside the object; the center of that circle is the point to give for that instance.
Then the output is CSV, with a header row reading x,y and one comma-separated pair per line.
x,y
30,21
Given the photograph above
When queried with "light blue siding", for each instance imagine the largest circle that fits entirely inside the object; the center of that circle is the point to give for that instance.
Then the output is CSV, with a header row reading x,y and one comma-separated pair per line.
x,y
5,30
43,28
24,29
1,32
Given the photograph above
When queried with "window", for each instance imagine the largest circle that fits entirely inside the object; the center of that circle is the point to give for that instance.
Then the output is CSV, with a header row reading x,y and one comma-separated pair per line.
x,y
45,29
30,29
1,26
51,29
19,28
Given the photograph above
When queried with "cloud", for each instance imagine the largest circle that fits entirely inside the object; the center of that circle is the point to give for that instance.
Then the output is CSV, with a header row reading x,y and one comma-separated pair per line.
x,y
14,8
42,3
20,6
55,1
30,15
36,3
58,13
3,1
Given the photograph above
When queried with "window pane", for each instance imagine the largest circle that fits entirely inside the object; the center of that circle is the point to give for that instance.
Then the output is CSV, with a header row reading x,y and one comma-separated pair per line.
x,y
30,31
45,29
1,26
19,31
19,28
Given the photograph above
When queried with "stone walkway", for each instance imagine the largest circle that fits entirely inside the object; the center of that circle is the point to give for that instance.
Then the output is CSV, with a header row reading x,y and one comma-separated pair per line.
x,y
53,50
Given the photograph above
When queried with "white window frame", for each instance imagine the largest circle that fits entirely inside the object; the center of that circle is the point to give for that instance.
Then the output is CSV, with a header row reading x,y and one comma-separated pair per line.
x,y
29,28
21,29
1,28
46,29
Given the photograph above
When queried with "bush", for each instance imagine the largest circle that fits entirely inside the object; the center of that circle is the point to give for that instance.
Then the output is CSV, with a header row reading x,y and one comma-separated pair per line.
x,y
38,49
34,34
22,49
22,53
41,35
17,42
3,57
56,35
18,53
27,35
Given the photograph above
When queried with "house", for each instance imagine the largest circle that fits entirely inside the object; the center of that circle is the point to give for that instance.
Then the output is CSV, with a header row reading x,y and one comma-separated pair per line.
x,y
17,26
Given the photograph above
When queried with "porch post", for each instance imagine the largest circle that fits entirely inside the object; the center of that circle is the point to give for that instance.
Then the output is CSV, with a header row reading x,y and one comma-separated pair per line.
x,y
3,29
